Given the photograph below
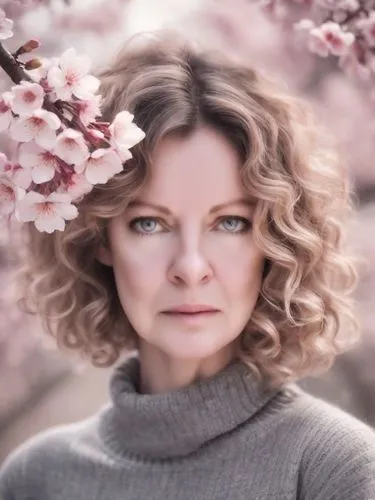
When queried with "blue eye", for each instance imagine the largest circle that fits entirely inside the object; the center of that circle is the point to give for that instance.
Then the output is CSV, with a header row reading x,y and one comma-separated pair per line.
x,y
237,222
142,225
145,226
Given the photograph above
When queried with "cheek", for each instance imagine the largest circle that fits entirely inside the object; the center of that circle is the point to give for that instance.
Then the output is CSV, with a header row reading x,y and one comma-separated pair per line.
x,y
138,272
242,272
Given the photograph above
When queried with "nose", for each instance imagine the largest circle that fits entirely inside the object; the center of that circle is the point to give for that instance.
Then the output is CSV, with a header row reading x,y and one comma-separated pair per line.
x,y
189,265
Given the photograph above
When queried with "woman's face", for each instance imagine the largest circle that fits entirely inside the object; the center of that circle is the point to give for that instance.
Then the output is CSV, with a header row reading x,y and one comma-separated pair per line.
x,y
188,240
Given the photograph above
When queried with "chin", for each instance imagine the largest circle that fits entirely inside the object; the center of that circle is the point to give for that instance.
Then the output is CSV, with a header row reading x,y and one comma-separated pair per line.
x,y
193,348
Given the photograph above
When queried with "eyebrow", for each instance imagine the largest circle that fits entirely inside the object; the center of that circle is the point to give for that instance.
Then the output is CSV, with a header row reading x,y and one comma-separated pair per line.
x,y
239,201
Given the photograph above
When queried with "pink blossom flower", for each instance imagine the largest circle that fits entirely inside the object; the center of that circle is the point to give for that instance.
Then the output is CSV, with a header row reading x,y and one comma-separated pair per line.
x,y
70,77
6,26
329,38
100,166
5,111
27,98
40,126
77,187
89,109
71,147
49,213
43,163
124,134
367,27
9,194
18,175
9,191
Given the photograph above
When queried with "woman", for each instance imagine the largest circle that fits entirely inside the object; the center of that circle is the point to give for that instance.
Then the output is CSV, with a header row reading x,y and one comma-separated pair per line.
x,y
223,318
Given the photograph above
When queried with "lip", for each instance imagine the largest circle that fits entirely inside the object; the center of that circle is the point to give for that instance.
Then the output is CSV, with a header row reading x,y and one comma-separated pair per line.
x,y
191,309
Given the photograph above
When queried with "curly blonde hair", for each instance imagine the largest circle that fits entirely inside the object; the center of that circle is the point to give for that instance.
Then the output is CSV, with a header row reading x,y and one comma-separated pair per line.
x,y
303,201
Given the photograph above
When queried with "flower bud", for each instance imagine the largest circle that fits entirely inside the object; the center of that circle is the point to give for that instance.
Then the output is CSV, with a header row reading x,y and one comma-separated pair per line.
x,y
33,64
29,46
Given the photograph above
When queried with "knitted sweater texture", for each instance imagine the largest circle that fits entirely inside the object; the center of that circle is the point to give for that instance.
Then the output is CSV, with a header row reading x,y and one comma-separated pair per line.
x,y
222,438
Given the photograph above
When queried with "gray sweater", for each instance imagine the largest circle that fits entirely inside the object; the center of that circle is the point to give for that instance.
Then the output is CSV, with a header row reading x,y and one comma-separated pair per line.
x,y
223,438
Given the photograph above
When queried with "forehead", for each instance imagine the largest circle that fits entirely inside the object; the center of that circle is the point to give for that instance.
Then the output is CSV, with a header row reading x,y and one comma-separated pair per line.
x,y
200,168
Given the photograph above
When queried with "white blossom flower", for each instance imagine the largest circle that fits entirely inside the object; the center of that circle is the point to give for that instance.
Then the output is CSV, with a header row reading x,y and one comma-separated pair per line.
x,y
329,39
71,147
100,166
89,109
27,97
43,163
48,213
6,26
77,187
125,134
40,126
5,111
367,27
70,77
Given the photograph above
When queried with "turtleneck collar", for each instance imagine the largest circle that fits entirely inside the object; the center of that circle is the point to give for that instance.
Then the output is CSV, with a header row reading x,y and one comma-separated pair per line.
x,y
177,423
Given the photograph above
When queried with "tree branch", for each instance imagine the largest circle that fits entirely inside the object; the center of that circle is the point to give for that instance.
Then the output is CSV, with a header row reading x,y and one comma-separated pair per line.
x,y
12,67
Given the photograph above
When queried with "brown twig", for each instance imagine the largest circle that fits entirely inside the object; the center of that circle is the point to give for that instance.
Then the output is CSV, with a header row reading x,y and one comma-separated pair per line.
x,y
11,66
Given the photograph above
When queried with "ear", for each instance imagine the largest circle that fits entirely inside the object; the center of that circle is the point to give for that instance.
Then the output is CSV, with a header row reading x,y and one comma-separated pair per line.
x,y
104,255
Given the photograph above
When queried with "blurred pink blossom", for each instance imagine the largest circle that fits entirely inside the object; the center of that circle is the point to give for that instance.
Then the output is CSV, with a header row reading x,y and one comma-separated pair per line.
x,y
367,27
6,26
349,5
329,39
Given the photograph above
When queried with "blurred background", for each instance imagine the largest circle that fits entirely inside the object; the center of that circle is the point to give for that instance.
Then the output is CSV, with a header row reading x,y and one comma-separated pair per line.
x,y
40,387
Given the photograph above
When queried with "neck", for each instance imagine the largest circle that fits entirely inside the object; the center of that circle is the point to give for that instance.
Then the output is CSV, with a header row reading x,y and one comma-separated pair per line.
x,y
161,373
178,422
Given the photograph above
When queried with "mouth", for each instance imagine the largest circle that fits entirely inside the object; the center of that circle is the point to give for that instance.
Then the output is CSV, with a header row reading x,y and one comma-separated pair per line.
x,y
191,309
191,318
198,313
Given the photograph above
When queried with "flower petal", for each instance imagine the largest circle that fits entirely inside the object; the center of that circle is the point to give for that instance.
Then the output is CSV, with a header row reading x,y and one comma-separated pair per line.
x,y
66,211
46,138
22,130
86,87
29,155
50,224
42,173
55,77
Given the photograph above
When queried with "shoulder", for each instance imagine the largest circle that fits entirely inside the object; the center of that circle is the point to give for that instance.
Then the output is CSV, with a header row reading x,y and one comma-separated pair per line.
x,y
49,451
337,450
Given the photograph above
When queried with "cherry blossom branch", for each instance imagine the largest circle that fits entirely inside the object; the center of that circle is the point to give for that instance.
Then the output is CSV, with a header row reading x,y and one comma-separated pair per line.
x,y
64,150
10,65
